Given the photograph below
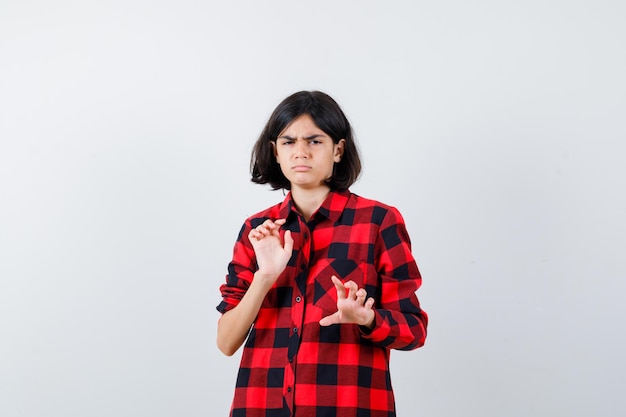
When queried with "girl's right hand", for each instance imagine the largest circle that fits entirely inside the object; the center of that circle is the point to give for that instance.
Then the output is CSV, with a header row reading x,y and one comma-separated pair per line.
x,y
271,254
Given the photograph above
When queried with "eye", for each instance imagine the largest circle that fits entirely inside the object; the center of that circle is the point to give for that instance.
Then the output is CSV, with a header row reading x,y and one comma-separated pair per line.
x,y
286,142
315,142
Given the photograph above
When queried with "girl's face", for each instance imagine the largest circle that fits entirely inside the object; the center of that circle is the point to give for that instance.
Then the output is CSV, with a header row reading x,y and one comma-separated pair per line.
x,y
306,154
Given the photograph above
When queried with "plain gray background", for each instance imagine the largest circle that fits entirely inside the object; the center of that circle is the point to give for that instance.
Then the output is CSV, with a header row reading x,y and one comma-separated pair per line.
x,y
497,128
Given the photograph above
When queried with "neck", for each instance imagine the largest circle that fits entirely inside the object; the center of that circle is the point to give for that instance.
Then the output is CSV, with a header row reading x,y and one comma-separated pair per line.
x,y
307,201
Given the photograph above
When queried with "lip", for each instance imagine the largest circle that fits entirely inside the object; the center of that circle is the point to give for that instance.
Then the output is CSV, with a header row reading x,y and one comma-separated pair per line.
x,y
301,168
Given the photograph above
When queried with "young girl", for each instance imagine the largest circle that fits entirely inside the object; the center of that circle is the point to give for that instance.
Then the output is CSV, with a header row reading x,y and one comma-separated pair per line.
x,y
321,286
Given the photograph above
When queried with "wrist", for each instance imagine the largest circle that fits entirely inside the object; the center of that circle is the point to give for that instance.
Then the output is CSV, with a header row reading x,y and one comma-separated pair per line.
x,y
371,321
266,279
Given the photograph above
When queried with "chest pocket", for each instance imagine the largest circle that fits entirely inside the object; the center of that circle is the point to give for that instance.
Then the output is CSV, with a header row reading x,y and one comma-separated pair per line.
x,y
322,290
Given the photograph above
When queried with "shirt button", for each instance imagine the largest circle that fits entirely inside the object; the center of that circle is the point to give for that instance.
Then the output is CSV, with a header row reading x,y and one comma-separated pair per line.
x,y
288,389
298,299
303,266
295,330
306,235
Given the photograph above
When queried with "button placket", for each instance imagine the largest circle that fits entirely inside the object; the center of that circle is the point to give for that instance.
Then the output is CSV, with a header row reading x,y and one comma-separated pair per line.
x,y
297,312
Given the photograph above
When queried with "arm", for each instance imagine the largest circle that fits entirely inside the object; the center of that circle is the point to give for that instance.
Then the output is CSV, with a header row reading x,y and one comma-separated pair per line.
x,y
396,321
272,257
400,322
234,325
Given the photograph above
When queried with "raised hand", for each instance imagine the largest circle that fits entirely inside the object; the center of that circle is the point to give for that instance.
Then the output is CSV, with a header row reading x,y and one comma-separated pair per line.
x,y
271,255
352,306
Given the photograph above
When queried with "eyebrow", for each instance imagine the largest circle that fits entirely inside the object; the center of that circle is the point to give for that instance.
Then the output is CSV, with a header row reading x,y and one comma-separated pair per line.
x,y
305,138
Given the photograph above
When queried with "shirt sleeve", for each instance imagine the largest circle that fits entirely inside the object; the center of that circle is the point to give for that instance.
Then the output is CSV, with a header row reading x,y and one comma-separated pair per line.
x,y
400,323
240,271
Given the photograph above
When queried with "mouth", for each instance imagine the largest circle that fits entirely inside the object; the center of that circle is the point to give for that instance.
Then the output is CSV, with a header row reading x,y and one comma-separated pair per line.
x,y
301,168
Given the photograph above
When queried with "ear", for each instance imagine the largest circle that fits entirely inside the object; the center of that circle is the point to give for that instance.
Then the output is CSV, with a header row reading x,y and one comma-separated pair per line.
x,y
273,142
339,148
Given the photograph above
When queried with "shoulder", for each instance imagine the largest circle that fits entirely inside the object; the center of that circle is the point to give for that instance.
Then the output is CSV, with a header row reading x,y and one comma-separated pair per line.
x,y
272,212
256,219
379,212
388,221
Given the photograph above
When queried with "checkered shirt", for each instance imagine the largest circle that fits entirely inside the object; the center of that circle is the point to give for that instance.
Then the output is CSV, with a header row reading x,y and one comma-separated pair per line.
x,y
291,366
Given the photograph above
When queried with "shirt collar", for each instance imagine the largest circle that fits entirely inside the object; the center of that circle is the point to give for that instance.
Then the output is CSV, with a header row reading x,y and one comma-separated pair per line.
x,y
331,208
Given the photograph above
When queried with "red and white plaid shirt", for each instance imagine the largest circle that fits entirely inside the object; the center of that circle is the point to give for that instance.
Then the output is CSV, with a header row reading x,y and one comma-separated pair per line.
x,y
291,366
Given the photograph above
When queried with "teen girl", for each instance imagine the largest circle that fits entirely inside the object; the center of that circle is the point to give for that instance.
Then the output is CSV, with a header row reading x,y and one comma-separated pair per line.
x,y
321,286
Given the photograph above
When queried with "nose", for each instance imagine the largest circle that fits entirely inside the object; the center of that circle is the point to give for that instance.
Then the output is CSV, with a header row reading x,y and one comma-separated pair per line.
x,y
301,149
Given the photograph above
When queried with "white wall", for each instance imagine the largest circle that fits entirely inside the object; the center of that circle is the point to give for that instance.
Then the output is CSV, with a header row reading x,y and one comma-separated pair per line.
x,y
497,128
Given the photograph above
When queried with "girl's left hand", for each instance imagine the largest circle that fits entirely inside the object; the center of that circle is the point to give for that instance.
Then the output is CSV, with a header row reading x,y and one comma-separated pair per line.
x,y
352,306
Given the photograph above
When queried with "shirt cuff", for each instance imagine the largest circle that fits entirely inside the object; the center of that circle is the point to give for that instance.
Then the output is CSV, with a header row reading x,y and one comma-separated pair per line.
x,y
379,332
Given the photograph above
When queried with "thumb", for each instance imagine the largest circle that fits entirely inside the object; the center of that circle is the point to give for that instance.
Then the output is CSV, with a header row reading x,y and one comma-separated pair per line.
x,y
328,320
288,241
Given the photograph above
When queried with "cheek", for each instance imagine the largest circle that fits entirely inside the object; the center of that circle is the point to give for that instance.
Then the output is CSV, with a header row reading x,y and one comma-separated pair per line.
x,y
284,170
280,156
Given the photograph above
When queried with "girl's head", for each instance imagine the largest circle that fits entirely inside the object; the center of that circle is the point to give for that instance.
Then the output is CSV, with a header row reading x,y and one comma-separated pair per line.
x,y
328,117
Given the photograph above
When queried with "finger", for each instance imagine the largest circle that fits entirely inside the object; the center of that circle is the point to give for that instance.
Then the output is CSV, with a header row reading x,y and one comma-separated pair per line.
x,y
262,230
265,227
352,289
360,296
277,225
341,290
328,320
254,234
261,233
369,303
272,226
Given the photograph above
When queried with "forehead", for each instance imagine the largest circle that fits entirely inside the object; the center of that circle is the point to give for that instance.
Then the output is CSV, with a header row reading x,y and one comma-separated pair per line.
x,y
302,125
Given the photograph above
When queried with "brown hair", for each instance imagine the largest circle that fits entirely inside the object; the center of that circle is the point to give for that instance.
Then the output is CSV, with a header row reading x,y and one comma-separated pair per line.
x,y
329,117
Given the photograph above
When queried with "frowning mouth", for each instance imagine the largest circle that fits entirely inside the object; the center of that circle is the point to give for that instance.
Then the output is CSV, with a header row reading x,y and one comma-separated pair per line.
x,y
301,168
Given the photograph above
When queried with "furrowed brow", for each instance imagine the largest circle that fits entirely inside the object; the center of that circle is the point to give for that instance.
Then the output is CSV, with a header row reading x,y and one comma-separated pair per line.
x,y
315,136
